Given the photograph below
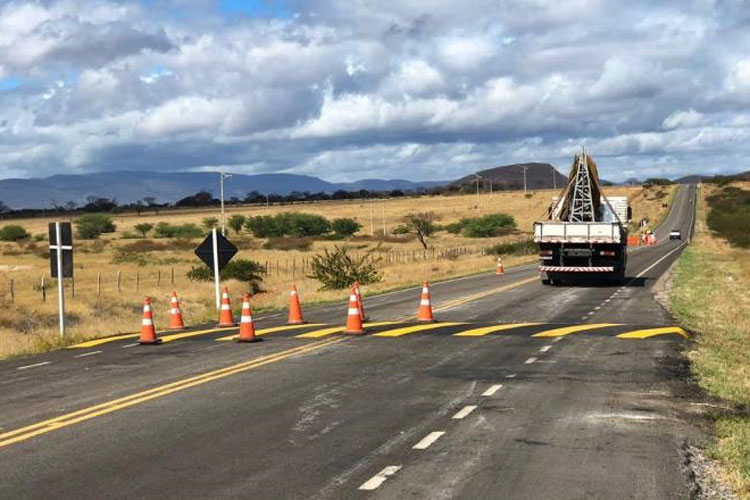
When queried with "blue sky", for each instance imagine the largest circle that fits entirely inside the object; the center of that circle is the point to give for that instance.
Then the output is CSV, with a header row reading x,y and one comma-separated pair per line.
x,y
346,89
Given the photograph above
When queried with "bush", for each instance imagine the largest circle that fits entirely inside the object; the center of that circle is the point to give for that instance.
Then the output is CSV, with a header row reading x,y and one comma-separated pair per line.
x,y
13,233
41,237
301,244
145,246
522,247
288,224
730,215
337,269
144,228
454,227
166,230
210,222
247,271
345,227
236,222
91,226
488,226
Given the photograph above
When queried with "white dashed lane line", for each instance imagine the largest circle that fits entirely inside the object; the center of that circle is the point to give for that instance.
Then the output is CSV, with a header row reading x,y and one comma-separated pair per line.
x,y
92,353
428,440
557,339
375,481
512,375
464,412
545,348
130,345
529,361
492,390
43,363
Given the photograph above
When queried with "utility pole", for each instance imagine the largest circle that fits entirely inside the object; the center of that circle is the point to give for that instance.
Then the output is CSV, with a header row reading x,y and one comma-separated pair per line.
x,y
383,214
554,179
222,177
478,177
372,221
524,179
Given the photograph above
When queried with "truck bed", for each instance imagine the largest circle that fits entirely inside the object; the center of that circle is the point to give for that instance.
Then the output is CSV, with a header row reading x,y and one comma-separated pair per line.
x,y
577,232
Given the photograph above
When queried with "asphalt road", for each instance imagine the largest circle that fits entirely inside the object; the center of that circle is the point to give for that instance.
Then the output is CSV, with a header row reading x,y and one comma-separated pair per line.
x,y
555,405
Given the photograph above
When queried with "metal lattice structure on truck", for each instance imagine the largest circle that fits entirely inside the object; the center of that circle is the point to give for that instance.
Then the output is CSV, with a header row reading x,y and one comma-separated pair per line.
x,y
582,201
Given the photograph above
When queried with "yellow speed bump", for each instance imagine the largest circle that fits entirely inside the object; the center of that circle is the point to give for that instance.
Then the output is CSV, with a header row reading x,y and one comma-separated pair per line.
x,y
559,332
271,330
338,329
414,329
652,332
479,332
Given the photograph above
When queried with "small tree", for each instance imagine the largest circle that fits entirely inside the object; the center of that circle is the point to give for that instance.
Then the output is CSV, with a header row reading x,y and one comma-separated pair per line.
x,y
210,222
236,222
421,224
91,226
345,226
13,233
337,269
144,228
247,271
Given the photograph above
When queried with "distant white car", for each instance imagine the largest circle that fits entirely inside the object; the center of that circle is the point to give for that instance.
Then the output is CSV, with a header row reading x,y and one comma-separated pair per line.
x,y
675,234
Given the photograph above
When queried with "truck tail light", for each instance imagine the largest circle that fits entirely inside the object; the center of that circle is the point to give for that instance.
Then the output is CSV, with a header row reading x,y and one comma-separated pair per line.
x,y
545,252
607,253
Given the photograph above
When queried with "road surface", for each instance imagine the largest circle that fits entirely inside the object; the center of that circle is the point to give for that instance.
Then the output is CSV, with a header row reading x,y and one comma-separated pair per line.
x,y
521,391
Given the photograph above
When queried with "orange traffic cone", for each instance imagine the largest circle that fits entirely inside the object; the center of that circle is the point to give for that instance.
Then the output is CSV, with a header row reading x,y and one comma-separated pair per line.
x,y
175,314
148,332
500,269
247,328
424,313
353,319
295,310
360,305
225,316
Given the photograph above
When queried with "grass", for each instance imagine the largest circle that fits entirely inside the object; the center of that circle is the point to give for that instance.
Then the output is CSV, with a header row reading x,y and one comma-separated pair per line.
x,y
28,325
711,297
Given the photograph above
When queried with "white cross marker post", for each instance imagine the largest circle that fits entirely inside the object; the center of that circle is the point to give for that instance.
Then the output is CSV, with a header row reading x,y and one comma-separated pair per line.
x,y
61,262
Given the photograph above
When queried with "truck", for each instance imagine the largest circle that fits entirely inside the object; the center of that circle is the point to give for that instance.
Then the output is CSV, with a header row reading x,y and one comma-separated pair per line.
x,y
585,234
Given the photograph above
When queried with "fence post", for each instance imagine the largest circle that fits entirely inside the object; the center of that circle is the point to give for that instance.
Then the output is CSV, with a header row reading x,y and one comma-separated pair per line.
x,y
173,275
158,277
12,291
119,281
72,286
137,281
44,291
98,284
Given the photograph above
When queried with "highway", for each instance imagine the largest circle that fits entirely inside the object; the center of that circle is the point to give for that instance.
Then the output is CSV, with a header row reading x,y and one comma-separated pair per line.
x,y
555,405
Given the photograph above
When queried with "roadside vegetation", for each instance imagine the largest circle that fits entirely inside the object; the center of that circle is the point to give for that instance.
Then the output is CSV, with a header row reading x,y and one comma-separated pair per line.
x,y
152,254
711,297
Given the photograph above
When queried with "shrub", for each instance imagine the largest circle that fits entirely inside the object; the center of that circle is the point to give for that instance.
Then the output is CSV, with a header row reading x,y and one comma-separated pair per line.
x,y
521,247
91,226
144,228
730,215
13,233
301,244
288,224
337,270
145,246
210,222
40,237
247,271
345,226
236,222
166,230
454,227
487,226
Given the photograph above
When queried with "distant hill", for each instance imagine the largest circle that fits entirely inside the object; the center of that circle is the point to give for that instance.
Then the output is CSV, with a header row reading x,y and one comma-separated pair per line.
x,y
129,186
691,179
538,176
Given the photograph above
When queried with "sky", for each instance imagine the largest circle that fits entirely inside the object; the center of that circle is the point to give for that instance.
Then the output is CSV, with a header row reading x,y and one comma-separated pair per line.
x,y
353,89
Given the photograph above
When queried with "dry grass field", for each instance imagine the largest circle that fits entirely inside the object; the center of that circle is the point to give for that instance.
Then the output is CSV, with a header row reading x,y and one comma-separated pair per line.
x,y
711,296
28,324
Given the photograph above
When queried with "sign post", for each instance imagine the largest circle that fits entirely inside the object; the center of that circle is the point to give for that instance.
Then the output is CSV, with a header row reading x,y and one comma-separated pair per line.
x,y
216,251
61,262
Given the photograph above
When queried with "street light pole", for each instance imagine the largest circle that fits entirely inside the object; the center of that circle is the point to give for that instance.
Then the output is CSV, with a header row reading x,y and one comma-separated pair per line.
x,y
222,177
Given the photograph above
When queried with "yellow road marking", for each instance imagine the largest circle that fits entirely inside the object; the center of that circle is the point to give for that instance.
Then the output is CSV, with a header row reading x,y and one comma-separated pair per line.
x,y
184,335
477,296
75,417
96,342
273,329
414,329
558,332
478,332
651,332
337,329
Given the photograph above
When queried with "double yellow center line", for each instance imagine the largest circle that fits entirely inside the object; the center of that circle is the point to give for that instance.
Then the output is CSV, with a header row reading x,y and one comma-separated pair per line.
x,y
75,417
470,298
